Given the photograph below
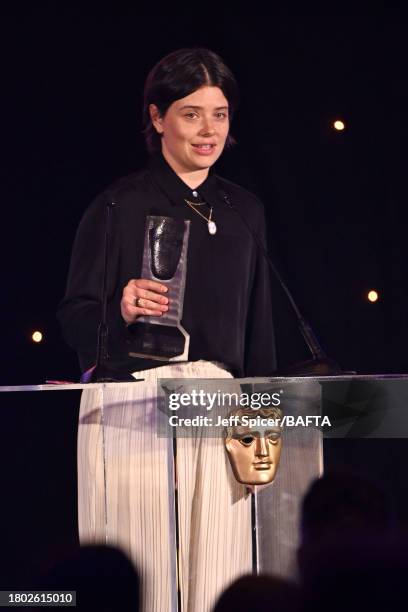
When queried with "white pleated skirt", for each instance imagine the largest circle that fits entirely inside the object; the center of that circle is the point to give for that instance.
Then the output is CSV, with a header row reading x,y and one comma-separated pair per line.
x,y
126,494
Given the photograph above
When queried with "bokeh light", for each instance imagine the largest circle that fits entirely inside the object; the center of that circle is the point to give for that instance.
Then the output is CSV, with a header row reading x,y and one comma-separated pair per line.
x,y
372,296
339,125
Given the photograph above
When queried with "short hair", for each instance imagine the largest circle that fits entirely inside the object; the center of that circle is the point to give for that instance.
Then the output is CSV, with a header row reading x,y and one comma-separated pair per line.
x,y
179,74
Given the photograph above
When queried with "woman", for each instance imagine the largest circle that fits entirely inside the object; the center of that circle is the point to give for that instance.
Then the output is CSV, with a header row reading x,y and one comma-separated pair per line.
x,y
190,97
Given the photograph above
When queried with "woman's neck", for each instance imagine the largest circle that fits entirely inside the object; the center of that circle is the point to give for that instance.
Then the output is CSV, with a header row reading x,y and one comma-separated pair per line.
x,y
192,178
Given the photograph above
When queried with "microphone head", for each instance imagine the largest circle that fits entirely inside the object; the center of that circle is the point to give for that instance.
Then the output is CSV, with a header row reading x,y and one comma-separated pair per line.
x,y
224,195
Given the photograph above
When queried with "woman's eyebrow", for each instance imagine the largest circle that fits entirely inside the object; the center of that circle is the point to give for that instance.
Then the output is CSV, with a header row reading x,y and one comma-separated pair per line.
x,y
200,107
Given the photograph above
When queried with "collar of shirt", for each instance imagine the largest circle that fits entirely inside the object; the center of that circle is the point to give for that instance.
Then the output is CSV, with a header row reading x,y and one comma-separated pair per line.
x,y
176,190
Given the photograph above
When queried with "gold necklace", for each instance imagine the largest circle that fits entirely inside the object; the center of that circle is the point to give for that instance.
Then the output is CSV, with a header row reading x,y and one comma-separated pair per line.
x,y
212,228
197,203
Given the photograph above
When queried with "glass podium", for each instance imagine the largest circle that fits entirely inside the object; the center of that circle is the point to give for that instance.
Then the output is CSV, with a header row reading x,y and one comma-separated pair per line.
x,y
38,476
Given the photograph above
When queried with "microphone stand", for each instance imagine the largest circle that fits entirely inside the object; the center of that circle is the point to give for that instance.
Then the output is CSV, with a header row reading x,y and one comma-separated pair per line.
x,y
320,364
101,372
102,343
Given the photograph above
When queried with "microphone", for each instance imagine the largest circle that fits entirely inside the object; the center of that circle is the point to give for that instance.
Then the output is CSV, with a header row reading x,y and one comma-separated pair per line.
x,y
320,364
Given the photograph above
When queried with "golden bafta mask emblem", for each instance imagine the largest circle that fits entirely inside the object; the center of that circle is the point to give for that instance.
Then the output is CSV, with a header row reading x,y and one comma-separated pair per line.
x,y
253,444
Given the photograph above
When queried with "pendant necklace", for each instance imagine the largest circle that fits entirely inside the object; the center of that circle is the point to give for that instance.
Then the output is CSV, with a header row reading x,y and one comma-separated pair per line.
x,y
212,228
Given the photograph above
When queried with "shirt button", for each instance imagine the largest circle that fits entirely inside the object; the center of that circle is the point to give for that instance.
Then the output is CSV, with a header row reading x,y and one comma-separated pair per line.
x,y
195,194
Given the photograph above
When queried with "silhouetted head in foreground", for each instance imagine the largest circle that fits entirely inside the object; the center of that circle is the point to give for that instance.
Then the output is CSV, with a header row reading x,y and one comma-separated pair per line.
x,y
347,558
102,576
252,593
342,505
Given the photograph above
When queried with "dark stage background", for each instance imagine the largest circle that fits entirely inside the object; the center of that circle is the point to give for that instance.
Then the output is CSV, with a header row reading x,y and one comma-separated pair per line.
x,y
335,202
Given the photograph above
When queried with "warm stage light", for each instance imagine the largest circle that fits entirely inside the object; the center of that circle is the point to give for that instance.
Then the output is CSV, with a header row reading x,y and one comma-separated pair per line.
x,y
37,336
372,296
339,125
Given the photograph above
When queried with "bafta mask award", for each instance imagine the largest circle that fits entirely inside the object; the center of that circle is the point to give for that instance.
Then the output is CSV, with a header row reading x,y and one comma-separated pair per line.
x,y
165,260
254,444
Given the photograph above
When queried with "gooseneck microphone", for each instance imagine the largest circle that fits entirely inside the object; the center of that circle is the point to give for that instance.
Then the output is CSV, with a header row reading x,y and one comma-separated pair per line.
x,y
103,371
320,364
102,343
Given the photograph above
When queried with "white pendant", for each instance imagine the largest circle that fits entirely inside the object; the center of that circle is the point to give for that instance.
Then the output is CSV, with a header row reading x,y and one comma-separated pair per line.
x,y
212,228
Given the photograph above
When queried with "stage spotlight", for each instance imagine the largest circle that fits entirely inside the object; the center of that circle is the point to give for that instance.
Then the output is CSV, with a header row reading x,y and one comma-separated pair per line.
x,y
339,125
372,296
37,336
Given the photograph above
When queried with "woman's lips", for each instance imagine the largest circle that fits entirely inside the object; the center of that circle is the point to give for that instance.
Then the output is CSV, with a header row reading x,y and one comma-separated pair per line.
x,y
204,149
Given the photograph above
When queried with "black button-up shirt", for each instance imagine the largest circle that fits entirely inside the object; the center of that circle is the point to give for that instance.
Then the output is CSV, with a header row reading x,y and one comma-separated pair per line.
x,y
227,303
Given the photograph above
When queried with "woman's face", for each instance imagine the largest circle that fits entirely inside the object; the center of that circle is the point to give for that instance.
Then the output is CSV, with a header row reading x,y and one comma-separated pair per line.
x,y
194,129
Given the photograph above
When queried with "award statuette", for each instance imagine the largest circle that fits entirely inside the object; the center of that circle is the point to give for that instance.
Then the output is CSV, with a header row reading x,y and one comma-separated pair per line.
x,y
254,450
164,260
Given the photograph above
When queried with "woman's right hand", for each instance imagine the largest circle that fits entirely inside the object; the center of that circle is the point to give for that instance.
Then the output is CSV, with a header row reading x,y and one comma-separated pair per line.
x,y
143,297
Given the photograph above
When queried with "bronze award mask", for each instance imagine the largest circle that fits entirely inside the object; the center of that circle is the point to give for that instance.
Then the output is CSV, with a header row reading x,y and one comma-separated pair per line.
x,y
254,450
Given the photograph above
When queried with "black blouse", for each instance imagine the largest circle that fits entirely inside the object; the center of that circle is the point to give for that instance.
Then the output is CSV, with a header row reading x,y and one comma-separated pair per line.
x,y
227,303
